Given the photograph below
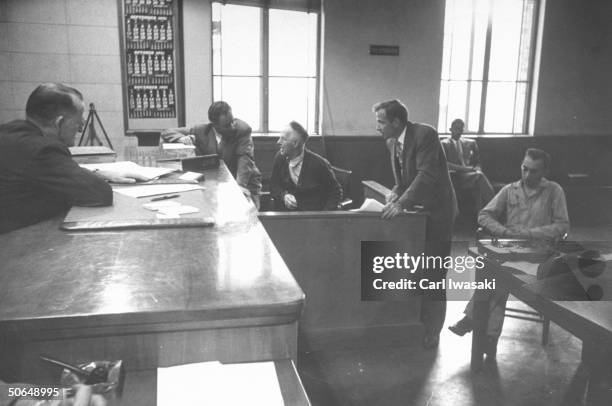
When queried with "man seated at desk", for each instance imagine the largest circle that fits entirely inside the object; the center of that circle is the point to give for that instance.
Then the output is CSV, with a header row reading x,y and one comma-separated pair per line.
x,y
301,179
228,137
38,178
531,208
463,157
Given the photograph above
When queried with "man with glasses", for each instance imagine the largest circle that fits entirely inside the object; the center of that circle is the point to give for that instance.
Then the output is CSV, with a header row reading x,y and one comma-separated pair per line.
x,y
228,137
38,178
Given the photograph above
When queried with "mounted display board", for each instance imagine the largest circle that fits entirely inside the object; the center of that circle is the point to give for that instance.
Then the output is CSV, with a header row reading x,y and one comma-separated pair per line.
x,y
151,64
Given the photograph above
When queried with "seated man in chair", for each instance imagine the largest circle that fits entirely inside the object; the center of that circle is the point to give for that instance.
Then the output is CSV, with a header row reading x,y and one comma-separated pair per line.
x,y
231,139
301,179
532,208
463,157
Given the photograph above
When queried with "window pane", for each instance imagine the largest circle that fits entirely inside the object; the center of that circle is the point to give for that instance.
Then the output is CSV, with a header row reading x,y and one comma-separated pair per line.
x,y
526,40
293,43
461,39
500,107
473,120
457,97
481,18
244,95
443,124
519,108
237,40
505,39
292,100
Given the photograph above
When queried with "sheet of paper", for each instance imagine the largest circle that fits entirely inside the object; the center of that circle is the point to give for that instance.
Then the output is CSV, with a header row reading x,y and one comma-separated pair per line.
x,y
213,383
178,210
152,190
154,206
127,166
371,205
191,176
176,145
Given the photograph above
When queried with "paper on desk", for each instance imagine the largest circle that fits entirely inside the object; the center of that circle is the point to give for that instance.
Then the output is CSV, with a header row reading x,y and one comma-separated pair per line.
x,y
154,206
177,145
178,210
123,166
370,205
152,190
213,383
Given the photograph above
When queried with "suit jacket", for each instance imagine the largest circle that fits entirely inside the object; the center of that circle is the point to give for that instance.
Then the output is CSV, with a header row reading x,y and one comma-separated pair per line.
x,y
471,154
421,178
317,187
236,150
39,179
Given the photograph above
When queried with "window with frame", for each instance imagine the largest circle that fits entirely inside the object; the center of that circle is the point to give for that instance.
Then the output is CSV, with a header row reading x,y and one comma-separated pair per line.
x,y
487,65
265,63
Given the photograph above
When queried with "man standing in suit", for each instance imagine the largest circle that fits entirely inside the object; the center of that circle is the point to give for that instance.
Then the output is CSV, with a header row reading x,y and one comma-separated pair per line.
x,y
421,178
463,158
38,178
228,137
301,179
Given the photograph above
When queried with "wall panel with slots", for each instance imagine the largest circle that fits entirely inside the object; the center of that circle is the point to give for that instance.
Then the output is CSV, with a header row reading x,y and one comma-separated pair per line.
x,y
151,64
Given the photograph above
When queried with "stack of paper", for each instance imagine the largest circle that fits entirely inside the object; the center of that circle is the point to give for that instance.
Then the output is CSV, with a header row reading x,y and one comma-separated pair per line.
x,y
213,383
152,190
370,205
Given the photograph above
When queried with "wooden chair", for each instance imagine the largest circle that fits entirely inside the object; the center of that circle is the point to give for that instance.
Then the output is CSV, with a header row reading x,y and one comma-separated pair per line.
x,y
344,178
528,315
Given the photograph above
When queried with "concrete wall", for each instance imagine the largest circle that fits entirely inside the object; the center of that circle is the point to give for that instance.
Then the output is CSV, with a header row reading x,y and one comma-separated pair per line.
x,y
353,80
575,90
70,41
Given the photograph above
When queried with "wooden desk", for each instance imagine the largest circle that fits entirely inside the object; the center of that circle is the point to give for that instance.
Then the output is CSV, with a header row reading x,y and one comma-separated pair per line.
x,y
591,322
152,297
323,249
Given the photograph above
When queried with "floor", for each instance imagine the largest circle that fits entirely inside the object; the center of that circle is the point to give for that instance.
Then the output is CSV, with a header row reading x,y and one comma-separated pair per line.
x,y
525,372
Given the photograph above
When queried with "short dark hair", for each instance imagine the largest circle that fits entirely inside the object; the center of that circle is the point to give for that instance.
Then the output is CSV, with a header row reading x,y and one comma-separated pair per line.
x,y
458,120
393,109
538,154
297,127
51,100
218,109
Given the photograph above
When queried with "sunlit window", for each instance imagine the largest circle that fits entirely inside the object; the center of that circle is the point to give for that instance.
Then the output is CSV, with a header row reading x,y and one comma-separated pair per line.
x,y
487,64
265,65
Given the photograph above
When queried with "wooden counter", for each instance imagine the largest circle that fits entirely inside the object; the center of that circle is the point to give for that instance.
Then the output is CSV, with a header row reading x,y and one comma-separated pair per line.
x,y
152,297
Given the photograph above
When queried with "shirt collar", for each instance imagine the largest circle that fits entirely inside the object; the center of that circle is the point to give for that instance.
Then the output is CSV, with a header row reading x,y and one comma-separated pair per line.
x,y
402,137
543,183
297,160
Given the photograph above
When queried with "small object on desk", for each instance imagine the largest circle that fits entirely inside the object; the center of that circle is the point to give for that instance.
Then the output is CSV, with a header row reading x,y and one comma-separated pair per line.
x,y
200,163
156,199
158,205
193,176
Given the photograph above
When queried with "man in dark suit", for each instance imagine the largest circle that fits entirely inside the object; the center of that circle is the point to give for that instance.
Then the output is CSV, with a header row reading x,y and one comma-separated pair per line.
x,y
464,159
38,178
301,179
231,139
421,178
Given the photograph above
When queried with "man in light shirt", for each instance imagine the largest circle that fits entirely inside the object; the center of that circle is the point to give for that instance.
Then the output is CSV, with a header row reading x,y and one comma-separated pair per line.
x,y
532,208
228,137
301,179
463,159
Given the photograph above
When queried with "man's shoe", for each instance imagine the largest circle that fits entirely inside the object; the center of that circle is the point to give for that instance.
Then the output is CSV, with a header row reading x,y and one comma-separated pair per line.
x,y
431,340
465,325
